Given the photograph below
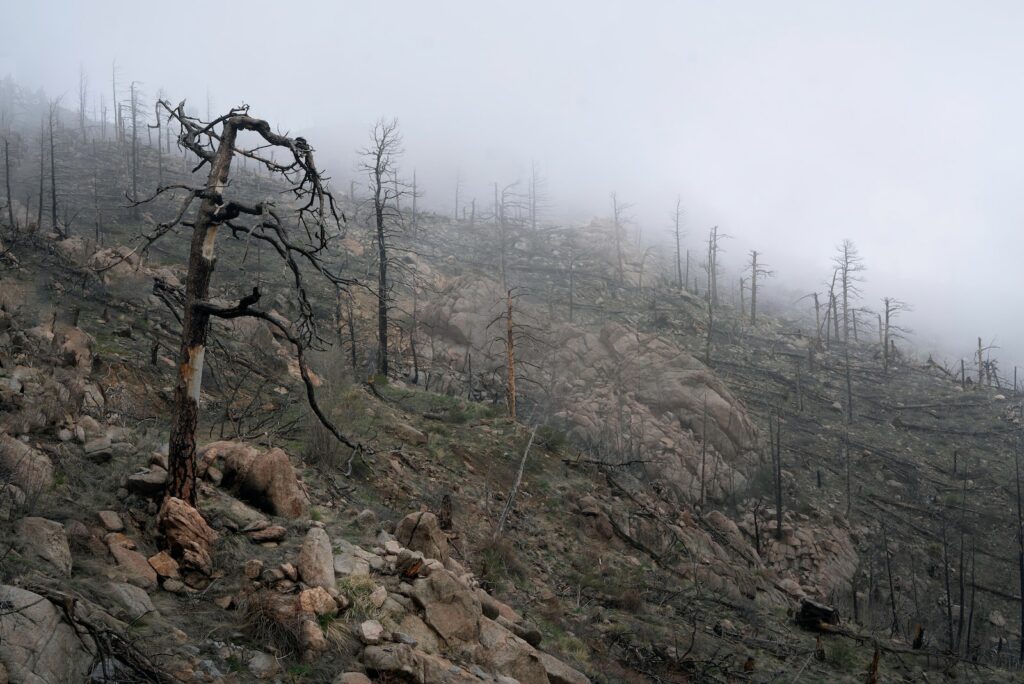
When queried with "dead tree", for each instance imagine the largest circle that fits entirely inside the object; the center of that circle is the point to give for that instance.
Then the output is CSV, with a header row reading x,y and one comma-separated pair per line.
x,y
889,331
13,224
516,333
301,244
54,113
775,444
677,217
619,219
380,161
711,265
756,271
83,96
849,265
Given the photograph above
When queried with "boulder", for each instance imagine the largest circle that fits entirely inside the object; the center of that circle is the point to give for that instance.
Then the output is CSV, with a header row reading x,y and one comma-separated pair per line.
x,y
422,532
405,663
134,601
189,539
36,645
133,566
45,539
502,651
560,673
316,559
451,609
265,479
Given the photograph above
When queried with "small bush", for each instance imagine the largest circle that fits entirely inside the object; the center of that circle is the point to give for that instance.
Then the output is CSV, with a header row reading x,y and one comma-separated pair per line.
x,y
499,562
842,654
269,621
357,589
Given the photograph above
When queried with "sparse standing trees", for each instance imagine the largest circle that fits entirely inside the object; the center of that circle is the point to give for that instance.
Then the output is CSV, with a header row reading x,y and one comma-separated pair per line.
x,y
380,162
756,271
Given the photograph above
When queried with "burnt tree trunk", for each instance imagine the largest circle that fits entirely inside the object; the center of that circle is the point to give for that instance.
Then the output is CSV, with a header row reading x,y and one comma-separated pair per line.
x,y
195,325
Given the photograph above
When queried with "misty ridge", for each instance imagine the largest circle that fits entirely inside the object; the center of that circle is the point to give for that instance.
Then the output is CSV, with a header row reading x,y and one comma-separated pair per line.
x,y
459,343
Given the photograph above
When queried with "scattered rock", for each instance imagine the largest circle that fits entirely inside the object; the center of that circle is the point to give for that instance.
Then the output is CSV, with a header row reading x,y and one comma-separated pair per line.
x,y
262,665
133,565
148,482
371,632
448,607
378,596
422,532
317,601
187,535
253,568
316,559
164,565
111,521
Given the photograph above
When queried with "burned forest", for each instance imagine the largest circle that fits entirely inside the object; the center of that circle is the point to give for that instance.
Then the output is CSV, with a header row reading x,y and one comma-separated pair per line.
x,y
511,345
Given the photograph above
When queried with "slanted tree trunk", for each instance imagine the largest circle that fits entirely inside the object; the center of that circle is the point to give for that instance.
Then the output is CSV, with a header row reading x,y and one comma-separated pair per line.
x,y
42,173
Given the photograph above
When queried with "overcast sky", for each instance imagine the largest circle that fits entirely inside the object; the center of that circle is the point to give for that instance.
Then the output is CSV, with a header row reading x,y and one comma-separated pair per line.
x,y
790,124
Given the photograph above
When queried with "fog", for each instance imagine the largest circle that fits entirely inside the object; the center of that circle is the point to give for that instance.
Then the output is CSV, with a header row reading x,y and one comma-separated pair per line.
x,y
790,125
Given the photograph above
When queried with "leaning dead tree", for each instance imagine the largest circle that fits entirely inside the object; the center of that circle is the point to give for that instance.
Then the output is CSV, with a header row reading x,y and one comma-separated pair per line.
x,y
298,233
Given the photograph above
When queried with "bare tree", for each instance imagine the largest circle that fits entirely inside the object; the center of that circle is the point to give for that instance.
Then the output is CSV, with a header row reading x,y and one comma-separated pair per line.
x,y
677,218
13,224
757,270
849,266
380,161
54,113
216,144
619,220
83,96
889,331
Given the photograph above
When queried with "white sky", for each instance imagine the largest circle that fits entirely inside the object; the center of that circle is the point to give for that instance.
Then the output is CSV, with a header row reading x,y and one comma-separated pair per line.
x,y
790,124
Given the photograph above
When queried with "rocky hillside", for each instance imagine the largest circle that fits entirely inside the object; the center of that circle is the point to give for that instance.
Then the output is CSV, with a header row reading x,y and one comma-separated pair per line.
x,y
626,526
